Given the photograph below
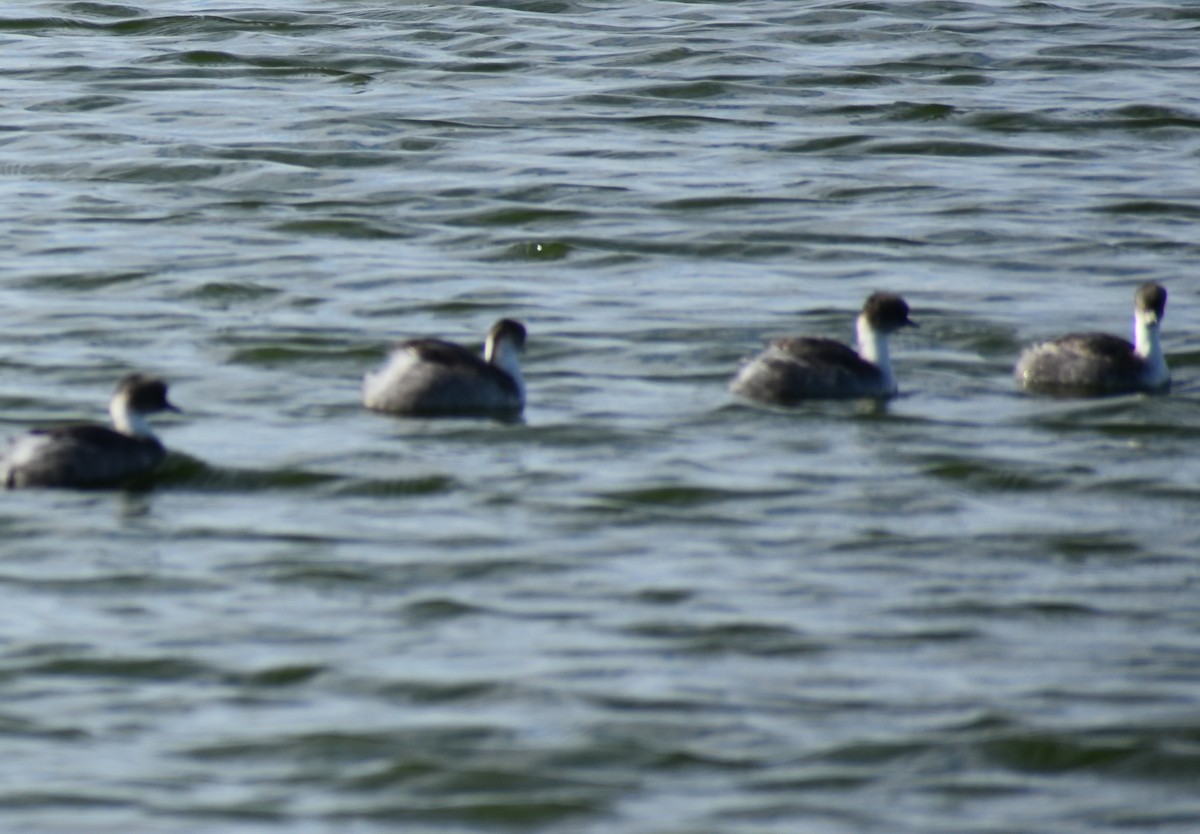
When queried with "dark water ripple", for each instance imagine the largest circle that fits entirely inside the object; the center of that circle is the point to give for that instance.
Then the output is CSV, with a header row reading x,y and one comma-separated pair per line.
x,y
644,607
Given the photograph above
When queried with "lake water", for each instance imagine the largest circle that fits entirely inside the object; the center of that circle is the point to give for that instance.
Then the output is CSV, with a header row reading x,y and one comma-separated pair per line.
x,y
647,607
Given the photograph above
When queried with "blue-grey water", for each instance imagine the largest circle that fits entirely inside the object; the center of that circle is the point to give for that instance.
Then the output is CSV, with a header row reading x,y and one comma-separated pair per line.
x,y
647,607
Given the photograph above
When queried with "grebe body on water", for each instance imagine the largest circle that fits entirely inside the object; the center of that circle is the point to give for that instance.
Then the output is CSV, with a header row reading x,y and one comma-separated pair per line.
x,y
434,378
794,369
92,455
1097,364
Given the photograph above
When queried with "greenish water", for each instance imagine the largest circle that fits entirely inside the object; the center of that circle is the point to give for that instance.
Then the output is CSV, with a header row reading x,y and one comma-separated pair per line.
x,y
646,607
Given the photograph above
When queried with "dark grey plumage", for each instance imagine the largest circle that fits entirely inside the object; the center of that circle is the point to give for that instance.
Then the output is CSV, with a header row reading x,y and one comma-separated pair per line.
x,y
794,369
1099,364
435,378
92,455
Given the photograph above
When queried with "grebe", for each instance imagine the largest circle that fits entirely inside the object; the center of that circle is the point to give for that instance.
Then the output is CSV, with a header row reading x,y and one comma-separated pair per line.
x,y
1098,364
433,378
795,369
92,455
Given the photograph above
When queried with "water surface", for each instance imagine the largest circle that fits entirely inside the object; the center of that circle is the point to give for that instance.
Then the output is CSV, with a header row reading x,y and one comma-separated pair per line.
x,y
646,607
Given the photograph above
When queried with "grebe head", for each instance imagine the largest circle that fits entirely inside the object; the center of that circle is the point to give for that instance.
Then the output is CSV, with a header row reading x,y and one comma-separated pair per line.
x,y
1151,304
883,314
887,312
136,397
505,335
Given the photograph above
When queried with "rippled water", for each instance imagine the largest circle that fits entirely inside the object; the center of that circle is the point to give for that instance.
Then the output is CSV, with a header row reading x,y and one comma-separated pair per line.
x,y
646,607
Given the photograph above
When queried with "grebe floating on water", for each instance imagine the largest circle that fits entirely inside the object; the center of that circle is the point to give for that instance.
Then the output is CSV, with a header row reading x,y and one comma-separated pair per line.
x,y
92,455
1098,364
433,378
795,369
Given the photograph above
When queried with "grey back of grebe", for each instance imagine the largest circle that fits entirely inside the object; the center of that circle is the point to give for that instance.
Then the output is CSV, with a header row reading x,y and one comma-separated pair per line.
x,y
91,455
795,369
1098,364
434,378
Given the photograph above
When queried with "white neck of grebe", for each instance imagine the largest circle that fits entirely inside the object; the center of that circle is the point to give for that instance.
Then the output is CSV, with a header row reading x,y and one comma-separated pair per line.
x,y
1148,347
503,354
873,347
127,420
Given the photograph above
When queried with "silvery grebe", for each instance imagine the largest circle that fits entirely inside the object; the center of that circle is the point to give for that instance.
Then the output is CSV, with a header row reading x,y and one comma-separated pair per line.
x,y
431,378
92,455
795,369
1098,364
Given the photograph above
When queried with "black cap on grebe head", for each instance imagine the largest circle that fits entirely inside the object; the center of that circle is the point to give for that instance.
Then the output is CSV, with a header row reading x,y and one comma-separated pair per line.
x,y
887,312
144,394
1152,298
508,330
